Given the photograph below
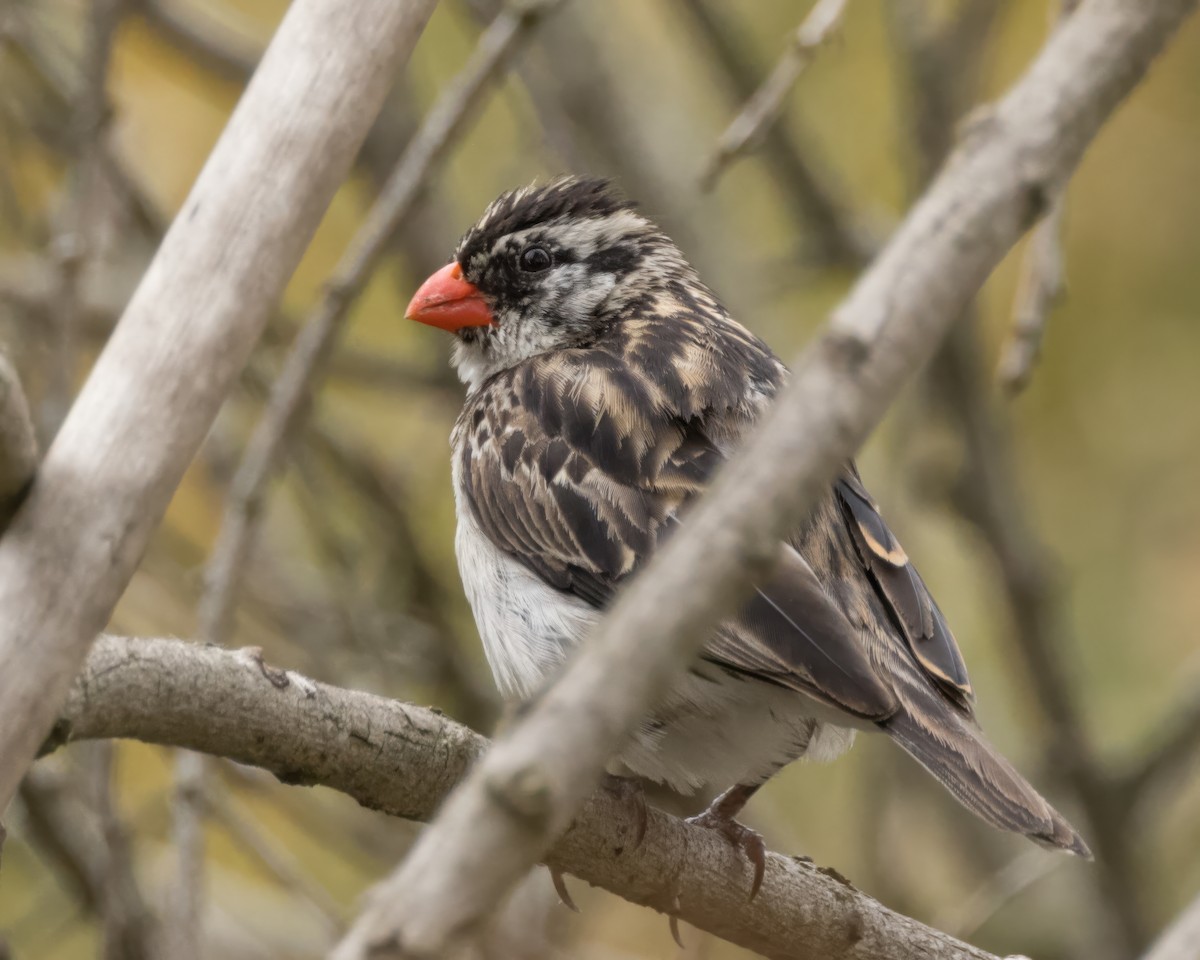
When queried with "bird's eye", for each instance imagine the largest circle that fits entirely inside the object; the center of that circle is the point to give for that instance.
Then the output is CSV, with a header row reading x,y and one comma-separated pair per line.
x,y
535,260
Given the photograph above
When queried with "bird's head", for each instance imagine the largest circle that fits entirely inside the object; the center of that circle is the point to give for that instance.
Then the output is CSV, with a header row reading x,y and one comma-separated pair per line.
x,y
546,267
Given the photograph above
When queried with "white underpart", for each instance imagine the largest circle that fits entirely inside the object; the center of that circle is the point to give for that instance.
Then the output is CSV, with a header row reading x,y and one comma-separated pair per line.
x,y
712,728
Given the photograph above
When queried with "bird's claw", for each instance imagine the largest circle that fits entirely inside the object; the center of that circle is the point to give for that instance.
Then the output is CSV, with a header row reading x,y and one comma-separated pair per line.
x,y
750,842
560,887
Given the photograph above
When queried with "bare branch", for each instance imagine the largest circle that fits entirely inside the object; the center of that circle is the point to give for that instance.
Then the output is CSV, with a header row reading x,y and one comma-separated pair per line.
x,y
764,107
278,862
88,846
819,202
155,390
73,247
522,795
27,284
130,928
18,442
185,904
1039,289
404,760
287,404
227,56
1000,889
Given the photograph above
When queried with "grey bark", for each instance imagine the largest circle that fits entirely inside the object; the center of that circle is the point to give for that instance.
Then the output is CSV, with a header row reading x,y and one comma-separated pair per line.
x,y
186,334
404,760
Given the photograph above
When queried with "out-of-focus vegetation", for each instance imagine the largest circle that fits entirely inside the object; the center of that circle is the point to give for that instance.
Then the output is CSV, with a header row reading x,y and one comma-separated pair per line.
x,y
353,578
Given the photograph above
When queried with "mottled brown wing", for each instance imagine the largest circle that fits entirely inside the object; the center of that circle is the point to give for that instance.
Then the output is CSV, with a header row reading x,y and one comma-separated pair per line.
x,y
788,633
901,588
577,479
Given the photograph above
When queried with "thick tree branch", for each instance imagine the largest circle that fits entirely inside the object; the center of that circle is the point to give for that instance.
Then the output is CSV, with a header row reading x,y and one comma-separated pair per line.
x,y
291,395
1016,157
286,408
404,759
186,334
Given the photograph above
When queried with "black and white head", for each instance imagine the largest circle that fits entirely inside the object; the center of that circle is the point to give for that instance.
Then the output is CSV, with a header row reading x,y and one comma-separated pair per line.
x,y
545,268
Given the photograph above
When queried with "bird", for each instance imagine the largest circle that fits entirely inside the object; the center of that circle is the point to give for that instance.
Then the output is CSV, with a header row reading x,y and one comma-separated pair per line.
x,y
606,384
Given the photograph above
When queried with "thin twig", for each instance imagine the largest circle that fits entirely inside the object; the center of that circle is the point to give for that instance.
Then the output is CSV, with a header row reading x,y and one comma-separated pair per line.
x,y
185,906
87,845
764,107
28,285
277,862
819,203
942,75
1000,889
1040,288
287,405
18,442
130,928
74,245
57,826
225,54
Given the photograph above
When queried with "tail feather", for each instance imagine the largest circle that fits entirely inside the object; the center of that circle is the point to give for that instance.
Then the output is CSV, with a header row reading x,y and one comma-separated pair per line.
x,y
955,751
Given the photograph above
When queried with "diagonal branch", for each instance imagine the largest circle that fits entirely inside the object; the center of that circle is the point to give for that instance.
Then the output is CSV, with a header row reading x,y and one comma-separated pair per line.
x,y
818,200
403,760
765,105
1041,287
1016,157
286,408
155,390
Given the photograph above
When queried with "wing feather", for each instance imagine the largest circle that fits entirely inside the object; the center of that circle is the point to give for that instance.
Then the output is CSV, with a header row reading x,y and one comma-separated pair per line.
x,y
581,496
904,593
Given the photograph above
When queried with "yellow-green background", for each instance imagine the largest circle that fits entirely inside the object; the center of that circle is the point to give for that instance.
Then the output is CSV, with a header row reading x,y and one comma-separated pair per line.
x,y
1107,444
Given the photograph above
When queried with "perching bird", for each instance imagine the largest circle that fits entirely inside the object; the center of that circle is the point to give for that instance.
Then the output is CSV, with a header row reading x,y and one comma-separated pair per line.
x,y
605,385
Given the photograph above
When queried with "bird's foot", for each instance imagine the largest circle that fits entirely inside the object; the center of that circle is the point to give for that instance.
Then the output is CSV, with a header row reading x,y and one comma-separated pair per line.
x,y
750,842
630,791
560,887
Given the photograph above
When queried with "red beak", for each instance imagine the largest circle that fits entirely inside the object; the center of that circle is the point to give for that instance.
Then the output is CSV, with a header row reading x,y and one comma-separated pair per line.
x,y
448,301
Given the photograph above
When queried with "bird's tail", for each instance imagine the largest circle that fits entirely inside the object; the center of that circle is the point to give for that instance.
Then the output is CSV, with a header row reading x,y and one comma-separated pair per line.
x,y
955,751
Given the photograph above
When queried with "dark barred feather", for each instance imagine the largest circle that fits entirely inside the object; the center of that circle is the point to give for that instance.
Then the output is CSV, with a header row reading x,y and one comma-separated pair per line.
x,y
577,458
